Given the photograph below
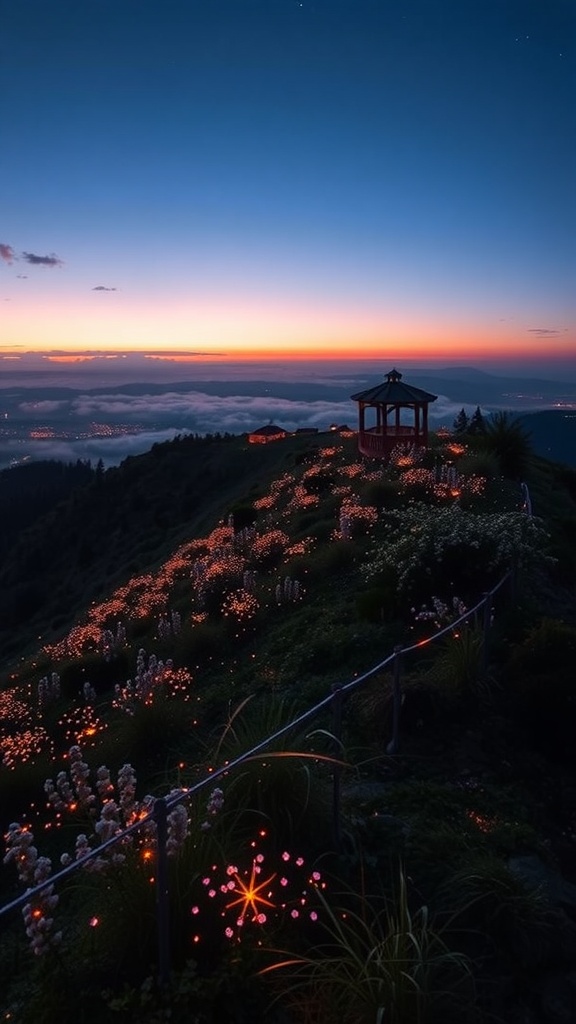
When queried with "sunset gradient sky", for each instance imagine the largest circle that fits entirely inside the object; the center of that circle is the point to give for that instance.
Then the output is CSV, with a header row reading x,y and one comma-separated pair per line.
x,y
357,178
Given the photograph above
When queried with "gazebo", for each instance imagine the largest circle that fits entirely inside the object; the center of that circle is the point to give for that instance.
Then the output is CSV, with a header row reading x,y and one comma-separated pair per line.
x,y
391,397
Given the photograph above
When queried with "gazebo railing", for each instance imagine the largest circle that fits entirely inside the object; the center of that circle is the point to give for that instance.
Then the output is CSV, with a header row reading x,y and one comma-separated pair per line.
x,y
377,441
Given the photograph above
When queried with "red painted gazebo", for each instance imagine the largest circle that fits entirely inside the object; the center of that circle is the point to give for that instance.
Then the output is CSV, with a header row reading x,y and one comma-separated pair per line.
x,y
387,400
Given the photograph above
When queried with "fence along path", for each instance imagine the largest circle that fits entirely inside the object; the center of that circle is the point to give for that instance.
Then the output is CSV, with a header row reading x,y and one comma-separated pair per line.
x,y
481,612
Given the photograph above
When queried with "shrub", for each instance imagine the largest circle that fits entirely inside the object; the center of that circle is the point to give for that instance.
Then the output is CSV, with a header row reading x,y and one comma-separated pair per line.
x,y
508,440
458,667
549,647
491,899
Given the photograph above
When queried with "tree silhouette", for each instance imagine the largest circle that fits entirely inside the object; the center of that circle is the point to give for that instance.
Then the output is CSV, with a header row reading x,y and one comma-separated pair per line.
x,y
461,422
477,424
509,441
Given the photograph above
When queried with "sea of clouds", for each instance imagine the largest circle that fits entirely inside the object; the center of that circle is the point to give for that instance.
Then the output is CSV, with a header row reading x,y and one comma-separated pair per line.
x,y
153,418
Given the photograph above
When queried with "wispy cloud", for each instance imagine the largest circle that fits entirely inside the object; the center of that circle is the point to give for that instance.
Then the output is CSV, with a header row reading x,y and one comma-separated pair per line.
x,y
543,332
52,260
42,407
103,288
7,253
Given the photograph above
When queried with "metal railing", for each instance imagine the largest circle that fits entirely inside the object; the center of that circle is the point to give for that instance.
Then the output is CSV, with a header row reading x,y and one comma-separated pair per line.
x,y
480,613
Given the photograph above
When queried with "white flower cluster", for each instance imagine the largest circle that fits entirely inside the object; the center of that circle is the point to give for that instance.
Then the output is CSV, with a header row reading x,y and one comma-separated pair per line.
x,y
79,773
111,809
127,791
169,625
149,675
178,828
345,526
213,807
89,693
225,560
60,796
249,580
418,537
48,689
288,590
32,871
118,809
441,614
111,643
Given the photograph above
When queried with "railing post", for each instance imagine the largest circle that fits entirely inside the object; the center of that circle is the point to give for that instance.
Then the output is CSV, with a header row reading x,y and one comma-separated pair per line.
x,y
394,743
162,908
337,768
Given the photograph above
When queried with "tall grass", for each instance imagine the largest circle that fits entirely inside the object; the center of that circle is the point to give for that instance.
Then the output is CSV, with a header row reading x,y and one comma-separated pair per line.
x,y
288,783
377,963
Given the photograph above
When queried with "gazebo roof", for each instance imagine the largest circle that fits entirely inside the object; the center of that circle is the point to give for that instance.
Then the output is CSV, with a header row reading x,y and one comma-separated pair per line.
x,y
393,391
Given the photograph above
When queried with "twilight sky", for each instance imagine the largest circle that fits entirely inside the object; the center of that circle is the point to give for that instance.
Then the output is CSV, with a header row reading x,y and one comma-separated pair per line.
x,y
360,178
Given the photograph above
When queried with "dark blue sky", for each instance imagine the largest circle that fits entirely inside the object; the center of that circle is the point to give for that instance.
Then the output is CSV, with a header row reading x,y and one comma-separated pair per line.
x,y
323,175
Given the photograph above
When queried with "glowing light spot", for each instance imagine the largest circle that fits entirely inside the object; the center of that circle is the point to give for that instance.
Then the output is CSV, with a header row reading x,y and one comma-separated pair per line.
x,y
250,895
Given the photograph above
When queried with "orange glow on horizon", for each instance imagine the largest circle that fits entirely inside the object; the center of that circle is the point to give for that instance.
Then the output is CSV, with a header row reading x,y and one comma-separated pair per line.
x,y
184,357
72,358
235,327
494,349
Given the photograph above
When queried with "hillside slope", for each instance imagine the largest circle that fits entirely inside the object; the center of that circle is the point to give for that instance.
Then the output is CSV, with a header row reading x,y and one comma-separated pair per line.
x,y
299,568
125,522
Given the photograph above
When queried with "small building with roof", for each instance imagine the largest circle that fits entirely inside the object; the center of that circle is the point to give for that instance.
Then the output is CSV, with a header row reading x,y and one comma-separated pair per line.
x,y
270,432
392,413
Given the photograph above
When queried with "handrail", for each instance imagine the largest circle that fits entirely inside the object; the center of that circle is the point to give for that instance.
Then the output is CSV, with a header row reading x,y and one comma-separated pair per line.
x,y
463,618
177,798
164,804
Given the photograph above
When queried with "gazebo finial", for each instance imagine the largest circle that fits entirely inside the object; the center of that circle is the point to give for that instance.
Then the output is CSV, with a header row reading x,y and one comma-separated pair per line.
x,y
393,376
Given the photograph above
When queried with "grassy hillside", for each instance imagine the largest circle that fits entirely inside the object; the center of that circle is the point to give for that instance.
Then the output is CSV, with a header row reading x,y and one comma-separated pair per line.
x,y
126,521
298,567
